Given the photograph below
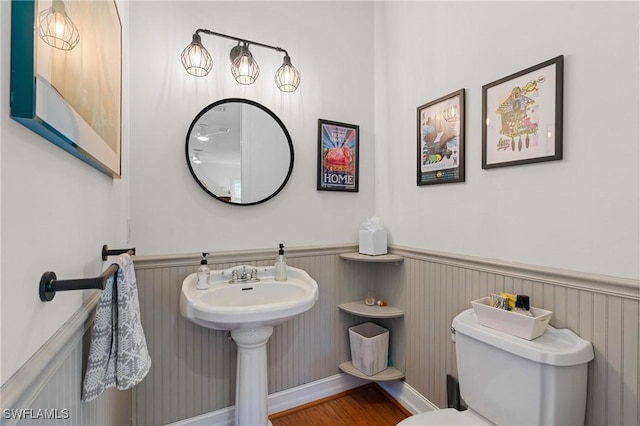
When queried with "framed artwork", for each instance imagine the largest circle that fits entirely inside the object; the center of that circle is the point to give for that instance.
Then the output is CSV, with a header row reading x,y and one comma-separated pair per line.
x,y
441,140
522,116
70,93
338,156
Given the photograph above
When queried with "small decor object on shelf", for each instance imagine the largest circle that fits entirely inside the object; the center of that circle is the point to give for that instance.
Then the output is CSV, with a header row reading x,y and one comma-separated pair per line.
x,y
441,140
338,156
369,300
522,116
373,238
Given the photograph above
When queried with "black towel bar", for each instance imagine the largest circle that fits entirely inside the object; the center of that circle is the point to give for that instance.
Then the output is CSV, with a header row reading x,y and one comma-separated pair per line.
x,y
49,282
106,252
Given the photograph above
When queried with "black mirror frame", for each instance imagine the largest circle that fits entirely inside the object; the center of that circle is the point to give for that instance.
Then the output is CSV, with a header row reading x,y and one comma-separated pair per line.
x,y
257,105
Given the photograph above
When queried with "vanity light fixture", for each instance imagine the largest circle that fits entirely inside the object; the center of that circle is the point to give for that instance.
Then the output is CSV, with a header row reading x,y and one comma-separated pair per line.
x,y
56,28
197,61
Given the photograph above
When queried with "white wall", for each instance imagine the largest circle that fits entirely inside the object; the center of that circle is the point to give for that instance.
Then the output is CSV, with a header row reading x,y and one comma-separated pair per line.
x,y
581,213
331,44
57,212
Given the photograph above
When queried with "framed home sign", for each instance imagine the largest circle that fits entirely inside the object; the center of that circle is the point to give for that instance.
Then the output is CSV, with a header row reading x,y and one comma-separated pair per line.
x,y
441,140
522,116
338,156
66,79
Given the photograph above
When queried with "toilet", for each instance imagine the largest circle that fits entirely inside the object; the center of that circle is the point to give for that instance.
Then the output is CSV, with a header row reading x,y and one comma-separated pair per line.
x,y
506,380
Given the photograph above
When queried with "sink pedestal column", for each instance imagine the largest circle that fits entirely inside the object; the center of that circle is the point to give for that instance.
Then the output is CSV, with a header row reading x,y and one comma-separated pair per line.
x,y
251,377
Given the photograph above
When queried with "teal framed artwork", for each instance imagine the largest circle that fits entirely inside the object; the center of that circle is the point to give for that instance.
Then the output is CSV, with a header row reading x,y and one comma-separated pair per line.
x,y
66,77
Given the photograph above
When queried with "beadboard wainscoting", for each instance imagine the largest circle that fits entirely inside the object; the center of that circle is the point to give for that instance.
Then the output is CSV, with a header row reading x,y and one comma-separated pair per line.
x,y
193,369
47,388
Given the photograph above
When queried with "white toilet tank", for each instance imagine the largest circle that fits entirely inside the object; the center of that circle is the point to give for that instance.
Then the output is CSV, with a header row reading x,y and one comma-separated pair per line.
x,y
513,381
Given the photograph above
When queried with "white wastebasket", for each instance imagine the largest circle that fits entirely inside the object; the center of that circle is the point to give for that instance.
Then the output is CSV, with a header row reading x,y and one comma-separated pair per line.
x,y
369,347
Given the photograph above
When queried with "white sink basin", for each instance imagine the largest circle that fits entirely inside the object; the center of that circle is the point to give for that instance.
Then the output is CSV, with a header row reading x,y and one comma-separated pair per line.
x,y
226,306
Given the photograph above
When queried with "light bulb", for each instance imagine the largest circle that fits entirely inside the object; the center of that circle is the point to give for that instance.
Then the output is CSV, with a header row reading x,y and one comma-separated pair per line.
x,y
59,20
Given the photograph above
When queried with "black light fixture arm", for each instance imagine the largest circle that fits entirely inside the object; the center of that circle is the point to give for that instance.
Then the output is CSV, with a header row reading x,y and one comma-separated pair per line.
x,y
242,40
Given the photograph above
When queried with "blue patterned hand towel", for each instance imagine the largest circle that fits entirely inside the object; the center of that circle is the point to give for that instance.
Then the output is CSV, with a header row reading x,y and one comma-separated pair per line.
x,y
118,355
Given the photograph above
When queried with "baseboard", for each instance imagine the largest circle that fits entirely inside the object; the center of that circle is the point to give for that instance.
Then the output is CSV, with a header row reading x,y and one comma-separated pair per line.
x,y
304,394
281,401
408,397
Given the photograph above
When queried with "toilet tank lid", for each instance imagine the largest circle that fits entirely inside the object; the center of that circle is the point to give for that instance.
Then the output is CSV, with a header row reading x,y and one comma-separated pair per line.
x,y
560,347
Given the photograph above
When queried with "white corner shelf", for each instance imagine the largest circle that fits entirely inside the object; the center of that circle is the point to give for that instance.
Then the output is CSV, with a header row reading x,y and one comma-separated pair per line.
x,y
375,311
360,309
383,258
390,373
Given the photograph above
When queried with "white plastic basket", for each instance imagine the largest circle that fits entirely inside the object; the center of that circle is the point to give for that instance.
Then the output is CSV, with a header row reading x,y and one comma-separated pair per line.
x,y
513,323
369,347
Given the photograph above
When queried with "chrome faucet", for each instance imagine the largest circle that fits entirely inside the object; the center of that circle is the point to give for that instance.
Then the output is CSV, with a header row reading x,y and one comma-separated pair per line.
x,y
244,276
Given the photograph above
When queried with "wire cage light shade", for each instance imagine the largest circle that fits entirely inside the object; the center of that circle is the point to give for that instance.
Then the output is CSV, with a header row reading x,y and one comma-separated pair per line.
x,y
244,68
56,28
195,58
287,77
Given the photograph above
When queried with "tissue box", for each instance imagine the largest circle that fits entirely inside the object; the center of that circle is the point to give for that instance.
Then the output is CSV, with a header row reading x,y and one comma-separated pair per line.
x,y
373,243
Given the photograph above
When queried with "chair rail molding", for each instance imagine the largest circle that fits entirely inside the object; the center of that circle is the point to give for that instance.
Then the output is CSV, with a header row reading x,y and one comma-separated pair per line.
x,y
604,284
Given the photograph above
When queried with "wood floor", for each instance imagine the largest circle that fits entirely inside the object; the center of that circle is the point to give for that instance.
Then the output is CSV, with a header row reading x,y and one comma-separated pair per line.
x,y
367,405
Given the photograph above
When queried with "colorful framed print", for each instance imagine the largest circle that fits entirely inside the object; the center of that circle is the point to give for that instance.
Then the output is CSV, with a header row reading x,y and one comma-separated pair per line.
x,y
441,141
522,116
338,156
70,92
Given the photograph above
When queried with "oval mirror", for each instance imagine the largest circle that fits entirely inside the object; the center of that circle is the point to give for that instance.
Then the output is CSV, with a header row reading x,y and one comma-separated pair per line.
x,y
239,151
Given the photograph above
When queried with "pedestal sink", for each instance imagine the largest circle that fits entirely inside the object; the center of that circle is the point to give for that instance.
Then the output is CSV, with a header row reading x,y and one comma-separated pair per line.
x,y
249,309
